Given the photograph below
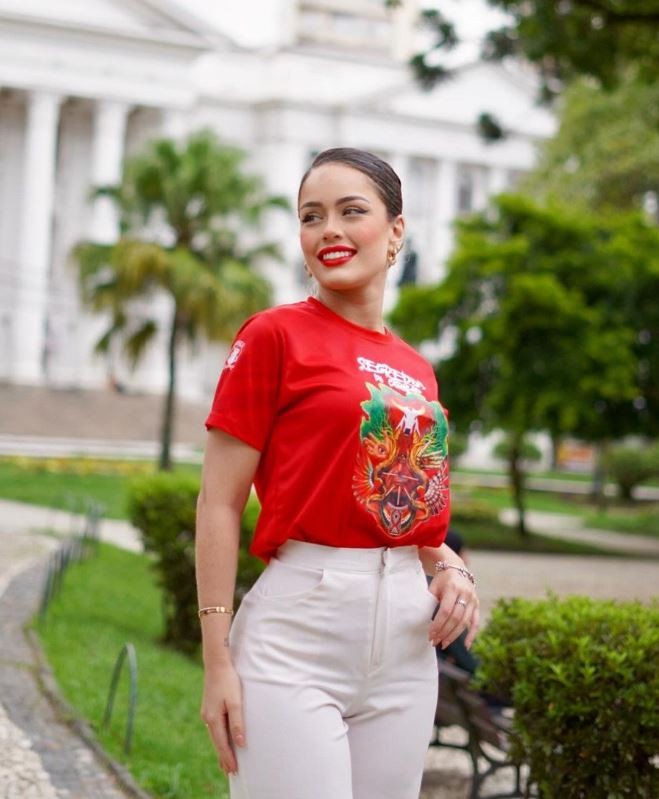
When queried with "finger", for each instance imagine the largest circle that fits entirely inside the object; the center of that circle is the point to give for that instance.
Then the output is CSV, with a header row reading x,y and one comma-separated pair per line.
x,y
461,613
220,736
457,622
236,723
473,627
454,614
438,626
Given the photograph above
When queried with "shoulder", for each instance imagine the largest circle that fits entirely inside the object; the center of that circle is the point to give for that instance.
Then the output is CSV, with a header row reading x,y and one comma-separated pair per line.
x,y
273,324
278,318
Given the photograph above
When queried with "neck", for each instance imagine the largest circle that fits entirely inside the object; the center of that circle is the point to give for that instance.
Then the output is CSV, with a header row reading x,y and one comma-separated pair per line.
x,y
363,308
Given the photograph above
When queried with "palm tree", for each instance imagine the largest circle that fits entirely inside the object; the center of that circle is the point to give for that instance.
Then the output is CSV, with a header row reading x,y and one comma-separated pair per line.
x,y
182,210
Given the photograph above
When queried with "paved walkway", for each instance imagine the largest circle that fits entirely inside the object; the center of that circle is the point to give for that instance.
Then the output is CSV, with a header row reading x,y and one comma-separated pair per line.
x,y
43,759
571,528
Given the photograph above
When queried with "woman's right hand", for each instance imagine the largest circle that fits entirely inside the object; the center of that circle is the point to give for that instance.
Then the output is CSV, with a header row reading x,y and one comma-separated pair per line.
x,y
222,712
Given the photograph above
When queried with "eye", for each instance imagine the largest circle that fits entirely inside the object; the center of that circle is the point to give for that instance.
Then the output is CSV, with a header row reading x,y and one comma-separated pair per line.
x,y
351,210
309,217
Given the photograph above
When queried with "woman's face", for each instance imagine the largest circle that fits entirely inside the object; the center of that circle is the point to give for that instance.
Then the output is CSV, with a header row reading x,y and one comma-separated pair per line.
x,y
345,232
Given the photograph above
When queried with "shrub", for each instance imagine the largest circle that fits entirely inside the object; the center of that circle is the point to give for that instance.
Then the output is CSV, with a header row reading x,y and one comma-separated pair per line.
x,y
472,510
529,452
582,675
163,508
630,466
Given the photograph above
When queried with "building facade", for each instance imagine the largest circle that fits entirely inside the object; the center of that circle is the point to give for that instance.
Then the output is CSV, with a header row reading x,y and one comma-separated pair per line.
x,y
85,84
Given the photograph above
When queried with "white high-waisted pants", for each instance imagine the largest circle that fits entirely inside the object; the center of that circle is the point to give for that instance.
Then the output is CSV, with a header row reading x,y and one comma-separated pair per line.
x,y
339,679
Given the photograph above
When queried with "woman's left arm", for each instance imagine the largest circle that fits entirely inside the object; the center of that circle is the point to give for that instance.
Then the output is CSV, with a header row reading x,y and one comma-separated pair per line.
x,y
458,601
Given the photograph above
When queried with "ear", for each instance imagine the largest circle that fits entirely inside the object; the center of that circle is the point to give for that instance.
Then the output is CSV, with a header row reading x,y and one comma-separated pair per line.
x,y
397,233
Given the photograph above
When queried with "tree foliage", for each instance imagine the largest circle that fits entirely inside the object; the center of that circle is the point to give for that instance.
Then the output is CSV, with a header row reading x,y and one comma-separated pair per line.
x,y
550,321
606,151
184,209
600,39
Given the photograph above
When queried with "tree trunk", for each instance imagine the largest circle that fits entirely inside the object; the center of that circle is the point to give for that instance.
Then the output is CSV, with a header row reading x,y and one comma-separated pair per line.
x,y
167,428
516,474
555,448
599,476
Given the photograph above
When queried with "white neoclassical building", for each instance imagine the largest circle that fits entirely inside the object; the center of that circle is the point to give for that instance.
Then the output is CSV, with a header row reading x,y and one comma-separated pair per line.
x,y
84,83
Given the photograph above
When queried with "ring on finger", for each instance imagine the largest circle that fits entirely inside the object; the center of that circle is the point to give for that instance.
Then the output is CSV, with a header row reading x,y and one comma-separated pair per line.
x,y
462,602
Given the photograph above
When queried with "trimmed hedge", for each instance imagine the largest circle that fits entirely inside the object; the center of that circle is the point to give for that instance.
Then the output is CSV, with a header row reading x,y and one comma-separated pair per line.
x,y
630,466
583,678
163,508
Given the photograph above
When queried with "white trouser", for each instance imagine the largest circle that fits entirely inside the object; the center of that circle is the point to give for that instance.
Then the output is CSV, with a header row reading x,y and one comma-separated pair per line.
x,y
339,679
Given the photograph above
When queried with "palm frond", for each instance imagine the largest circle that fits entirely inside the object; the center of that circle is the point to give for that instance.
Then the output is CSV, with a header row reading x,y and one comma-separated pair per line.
x,y
135,344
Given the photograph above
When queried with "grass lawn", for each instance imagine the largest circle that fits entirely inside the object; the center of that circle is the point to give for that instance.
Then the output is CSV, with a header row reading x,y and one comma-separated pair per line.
x,y
581,477
107,601
67,483
632,520
496,536
546,501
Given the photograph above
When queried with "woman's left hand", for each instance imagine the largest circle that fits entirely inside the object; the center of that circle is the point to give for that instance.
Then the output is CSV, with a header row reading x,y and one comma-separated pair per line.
x,y
458,608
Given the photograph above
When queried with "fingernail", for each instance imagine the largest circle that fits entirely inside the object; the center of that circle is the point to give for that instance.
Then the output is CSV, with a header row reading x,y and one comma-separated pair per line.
x,y
240,740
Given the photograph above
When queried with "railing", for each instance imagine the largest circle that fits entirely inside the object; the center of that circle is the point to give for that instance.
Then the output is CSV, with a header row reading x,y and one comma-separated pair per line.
x,y
78,546
129,655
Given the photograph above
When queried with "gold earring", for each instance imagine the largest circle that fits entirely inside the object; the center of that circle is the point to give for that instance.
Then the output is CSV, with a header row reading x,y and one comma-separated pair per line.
x,y
392,254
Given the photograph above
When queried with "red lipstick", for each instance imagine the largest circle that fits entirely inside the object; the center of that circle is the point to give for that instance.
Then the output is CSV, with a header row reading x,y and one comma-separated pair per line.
x,y
336,255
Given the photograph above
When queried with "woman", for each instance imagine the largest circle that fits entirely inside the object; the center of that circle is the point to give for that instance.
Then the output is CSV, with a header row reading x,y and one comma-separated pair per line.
x,y
325,686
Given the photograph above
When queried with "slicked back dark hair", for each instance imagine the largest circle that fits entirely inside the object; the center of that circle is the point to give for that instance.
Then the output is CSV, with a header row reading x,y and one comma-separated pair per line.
x,y
385,180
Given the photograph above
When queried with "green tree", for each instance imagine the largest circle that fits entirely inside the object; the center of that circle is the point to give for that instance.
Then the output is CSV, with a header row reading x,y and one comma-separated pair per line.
x,y
601,39
183,211
546,314
606,150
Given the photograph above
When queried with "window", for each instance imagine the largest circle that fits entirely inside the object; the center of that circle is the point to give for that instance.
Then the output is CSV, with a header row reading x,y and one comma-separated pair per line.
x,y
466,189
421,178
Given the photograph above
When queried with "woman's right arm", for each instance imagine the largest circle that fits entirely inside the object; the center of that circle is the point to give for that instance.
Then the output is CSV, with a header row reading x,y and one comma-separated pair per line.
x,y
229,467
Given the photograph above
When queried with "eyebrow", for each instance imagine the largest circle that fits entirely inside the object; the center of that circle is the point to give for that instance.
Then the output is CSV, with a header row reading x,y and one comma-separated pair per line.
x,y
348,199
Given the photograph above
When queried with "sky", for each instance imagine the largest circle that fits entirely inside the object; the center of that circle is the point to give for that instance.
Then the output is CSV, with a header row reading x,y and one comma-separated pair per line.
x,y
251,22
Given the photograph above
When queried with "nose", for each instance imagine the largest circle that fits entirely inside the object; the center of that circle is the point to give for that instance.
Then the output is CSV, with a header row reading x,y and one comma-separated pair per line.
x,y
332,230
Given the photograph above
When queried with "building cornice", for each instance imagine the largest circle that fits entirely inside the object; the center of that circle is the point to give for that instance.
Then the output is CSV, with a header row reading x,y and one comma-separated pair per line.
x,y
190,42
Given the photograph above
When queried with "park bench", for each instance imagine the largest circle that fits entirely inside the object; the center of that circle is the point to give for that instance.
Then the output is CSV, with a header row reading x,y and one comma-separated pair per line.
x,y
488,732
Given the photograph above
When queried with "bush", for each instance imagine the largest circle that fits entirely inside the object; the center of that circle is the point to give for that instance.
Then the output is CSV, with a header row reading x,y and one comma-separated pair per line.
x,y
582,675
630,466
529,452
471,510
163,508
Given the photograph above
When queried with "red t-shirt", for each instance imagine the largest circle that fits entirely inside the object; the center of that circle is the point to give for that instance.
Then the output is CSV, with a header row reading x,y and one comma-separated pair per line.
x,y
353,440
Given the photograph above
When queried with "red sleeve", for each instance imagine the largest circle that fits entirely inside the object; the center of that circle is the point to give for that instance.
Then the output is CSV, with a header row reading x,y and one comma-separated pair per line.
x,y
247,392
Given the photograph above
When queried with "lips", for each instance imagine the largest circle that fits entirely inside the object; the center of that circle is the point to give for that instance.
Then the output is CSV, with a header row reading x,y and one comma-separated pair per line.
x,y
335,256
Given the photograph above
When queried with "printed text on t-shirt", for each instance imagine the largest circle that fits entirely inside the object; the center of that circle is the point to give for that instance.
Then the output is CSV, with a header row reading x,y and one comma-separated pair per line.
x,y
395,377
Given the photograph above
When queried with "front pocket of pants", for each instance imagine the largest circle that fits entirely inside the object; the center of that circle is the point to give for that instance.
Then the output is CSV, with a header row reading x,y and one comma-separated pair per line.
x,y
287,581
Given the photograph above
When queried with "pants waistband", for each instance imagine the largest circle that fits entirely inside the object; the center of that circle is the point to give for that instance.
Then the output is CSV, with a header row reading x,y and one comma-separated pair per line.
x,y
371,559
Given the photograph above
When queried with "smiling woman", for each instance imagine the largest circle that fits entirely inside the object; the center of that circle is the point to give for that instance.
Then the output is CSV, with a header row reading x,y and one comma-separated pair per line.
x,y
338,424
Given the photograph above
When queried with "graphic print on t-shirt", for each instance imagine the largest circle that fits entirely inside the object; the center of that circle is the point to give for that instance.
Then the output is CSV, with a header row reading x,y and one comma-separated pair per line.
x,y
401,475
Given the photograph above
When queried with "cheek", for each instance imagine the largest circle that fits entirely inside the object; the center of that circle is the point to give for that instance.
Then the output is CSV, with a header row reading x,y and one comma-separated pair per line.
x,y
371,234
307,241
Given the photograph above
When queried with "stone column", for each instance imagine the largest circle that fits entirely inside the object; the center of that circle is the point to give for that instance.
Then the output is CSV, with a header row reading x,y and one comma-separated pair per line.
x,y
107,161
35,235
175,123
497,181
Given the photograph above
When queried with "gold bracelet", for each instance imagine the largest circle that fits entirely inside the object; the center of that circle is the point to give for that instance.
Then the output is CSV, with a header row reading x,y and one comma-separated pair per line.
x,y
214,609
